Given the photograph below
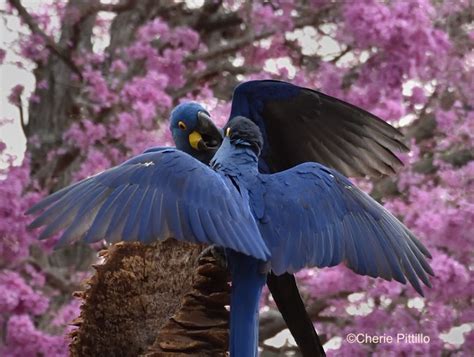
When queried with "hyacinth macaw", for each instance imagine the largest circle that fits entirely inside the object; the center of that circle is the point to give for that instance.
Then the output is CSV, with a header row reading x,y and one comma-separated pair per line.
x,y
299,125
194,133
155,195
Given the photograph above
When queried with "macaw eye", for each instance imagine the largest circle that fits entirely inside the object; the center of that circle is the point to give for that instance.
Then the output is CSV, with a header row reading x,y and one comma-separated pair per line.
x,y
227,132
182,126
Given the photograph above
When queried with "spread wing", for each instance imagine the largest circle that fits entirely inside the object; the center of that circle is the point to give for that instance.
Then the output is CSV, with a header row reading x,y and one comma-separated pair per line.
x,y
301,125
323,220
159,194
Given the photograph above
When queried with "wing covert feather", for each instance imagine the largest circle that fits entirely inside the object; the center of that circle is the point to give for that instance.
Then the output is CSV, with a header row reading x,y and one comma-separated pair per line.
x,y
153,196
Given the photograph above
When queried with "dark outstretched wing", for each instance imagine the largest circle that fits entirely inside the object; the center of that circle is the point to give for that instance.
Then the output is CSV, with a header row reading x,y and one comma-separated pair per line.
x,y
325,220
156,195
300,125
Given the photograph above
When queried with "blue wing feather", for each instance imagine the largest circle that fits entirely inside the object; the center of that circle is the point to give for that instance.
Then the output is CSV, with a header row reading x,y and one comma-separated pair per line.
x,y
158,225
104,216
132,214
161,193
58,208
145,225
170,207
327,220
120,207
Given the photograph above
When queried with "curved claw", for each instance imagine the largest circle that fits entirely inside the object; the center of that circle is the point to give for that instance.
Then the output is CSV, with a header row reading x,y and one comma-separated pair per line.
x,y
218,253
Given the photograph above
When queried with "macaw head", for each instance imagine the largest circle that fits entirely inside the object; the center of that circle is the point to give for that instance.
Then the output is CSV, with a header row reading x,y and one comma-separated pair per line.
x,y
242,132
194,132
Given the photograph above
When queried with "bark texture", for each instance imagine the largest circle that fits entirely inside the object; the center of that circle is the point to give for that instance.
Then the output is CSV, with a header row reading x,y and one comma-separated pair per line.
x,y
200,326
156,300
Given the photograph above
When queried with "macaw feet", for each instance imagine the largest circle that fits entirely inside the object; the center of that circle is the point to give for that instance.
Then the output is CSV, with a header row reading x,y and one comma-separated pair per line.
x,y
218,253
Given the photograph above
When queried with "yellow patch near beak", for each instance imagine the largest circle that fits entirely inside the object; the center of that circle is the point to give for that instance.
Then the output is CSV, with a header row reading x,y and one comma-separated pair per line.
x,y
194,139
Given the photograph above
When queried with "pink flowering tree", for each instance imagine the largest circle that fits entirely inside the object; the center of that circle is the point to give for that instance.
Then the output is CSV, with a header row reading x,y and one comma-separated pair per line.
x,y
107,75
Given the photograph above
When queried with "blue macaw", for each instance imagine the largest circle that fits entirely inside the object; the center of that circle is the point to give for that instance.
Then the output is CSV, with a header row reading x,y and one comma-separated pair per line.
x,y
194,133
299,125
309,215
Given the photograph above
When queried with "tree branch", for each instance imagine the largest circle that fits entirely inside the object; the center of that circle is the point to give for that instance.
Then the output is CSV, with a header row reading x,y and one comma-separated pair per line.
x,y
120,7
98,7
231,47
341,54
240,42
271,322
50,43
54,280
210,72
24,126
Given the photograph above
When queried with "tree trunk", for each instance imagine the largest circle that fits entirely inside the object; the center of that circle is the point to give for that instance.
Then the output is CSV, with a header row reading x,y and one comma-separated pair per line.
x,y
57,107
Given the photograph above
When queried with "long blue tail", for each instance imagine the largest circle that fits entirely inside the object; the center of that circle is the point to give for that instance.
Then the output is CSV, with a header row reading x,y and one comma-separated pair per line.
x,y
247,283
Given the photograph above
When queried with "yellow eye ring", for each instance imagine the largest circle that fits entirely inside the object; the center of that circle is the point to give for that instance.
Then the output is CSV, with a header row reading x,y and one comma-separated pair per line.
x,y
227,132
181,125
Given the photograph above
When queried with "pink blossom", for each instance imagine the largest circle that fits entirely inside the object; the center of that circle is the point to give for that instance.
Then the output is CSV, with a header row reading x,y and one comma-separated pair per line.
x,y
85,133
15,95
43,84
23,339
18,297
418,96
445,119
152,30
118,66
98,88
15,238
184,37
3,54
3,146
67,313
33,48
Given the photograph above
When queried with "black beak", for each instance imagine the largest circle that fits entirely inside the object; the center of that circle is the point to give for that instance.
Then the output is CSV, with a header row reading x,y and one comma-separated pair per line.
x,y
211,135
